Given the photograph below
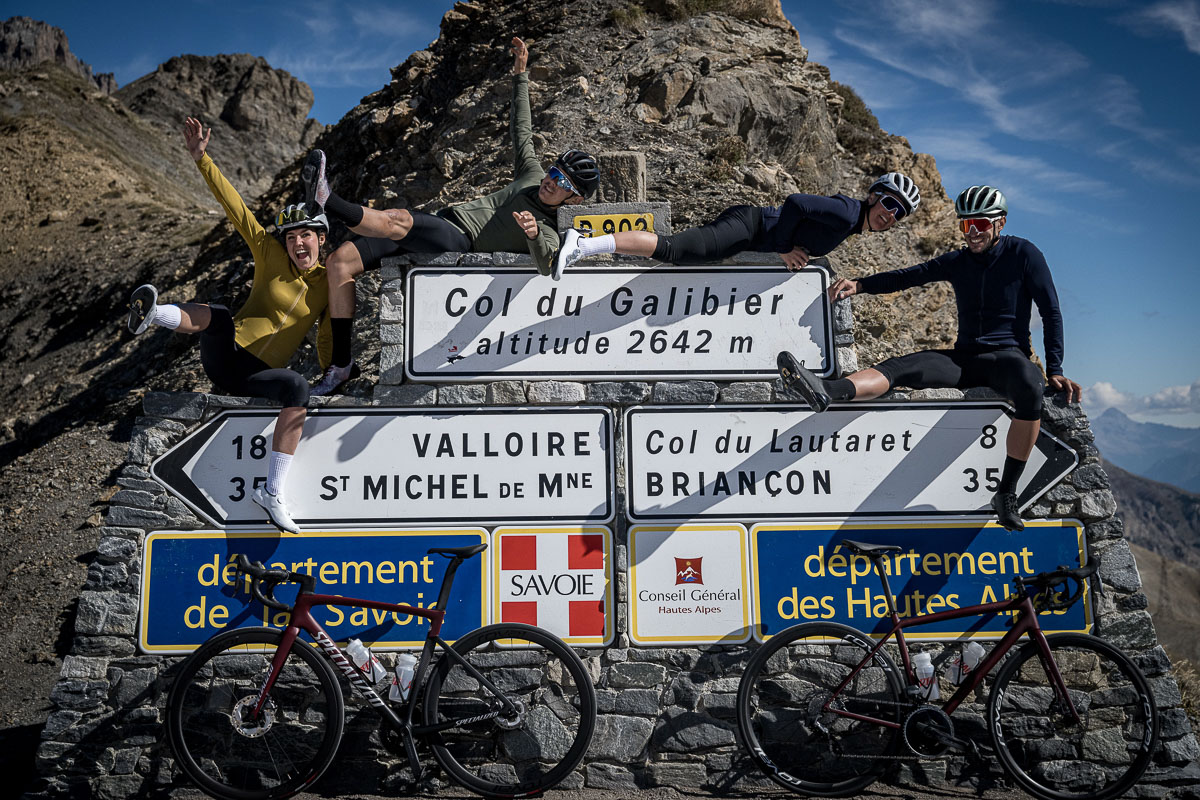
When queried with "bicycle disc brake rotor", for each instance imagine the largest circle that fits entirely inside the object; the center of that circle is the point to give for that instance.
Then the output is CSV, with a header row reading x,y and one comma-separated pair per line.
x,y
928,731
241,719
516,720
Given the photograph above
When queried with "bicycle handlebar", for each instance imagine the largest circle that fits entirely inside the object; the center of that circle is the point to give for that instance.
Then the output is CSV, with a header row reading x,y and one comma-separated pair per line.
x,y
270,578
1054,588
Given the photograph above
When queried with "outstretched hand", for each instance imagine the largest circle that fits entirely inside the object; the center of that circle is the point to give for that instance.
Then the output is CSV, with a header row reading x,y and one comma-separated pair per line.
x,y
195,137
520,55
1061,383
841,289
528,224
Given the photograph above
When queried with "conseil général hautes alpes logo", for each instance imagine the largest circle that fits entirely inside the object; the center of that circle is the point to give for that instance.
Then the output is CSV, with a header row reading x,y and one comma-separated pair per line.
x,y
688,570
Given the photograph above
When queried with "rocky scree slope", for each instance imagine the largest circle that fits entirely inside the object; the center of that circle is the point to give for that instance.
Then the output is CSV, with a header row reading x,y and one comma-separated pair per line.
x,y
96,200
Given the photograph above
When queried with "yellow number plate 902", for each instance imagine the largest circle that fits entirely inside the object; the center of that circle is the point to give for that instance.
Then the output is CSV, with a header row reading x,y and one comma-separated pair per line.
x,y
599,224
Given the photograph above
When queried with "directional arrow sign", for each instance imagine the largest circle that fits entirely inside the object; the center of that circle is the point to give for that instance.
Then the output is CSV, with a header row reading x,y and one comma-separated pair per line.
x,y
741,463
372,466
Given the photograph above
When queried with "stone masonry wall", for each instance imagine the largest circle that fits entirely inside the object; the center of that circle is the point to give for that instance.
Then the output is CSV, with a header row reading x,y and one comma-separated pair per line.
x,y
666,714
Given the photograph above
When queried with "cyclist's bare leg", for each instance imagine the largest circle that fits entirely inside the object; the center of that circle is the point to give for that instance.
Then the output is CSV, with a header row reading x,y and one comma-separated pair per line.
x,y
1022,434
288,428
636,243
869,383
194,317
391,223
343,267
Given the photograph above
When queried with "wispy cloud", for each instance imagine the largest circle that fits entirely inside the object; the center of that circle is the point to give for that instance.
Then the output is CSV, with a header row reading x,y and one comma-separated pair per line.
x,y
1174,16
1101,396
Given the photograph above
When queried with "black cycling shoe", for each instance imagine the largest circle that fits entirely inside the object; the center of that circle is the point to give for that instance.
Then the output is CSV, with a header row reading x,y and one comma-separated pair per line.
x,y
1007,513
802,382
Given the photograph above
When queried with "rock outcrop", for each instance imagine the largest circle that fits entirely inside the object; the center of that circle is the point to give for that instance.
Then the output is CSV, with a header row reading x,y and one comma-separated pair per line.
x,y
259,115
26,42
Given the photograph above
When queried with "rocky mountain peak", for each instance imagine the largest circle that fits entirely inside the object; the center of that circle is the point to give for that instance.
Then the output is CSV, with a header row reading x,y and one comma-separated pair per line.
x,y
26,42
259,115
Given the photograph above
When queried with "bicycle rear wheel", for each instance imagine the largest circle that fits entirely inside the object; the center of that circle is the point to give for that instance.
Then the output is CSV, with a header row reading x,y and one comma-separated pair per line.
x,y
511,755
782,716
1050,755
228,754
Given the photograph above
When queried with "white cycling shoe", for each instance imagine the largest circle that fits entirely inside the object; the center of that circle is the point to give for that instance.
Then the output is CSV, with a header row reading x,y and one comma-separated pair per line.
x,y
142,305
333,379
568,253
276,511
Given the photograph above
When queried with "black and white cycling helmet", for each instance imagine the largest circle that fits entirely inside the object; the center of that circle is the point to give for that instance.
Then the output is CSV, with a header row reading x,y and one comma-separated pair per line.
x,y
296,216
582,169
981,201
901,186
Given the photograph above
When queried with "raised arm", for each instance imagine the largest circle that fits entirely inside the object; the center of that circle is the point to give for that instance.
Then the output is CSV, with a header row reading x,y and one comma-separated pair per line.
x,y
520,124
195,138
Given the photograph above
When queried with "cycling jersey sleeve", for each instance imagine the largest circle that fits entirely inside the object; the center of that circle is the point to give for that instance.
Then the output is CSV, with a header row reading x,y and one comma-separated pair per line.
x,y
544,246
525,160
1041,288
936,269
235,208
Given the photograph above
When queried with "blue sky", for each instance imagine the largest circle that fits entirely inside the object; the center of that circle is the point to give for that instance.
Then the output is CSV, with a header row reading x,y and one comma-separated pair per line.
x,y
1083,112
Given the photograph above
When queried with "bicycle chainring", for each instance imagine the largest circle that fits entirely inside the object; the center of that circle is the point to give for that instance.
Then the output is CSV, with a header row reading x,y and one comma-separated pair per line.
x,y
928,731
252,728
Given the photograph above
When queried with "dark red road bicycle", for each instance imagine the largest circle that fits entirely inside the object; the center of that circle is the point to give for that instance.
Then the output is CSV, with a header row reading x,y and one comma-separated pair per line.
x,y
824,709
257,713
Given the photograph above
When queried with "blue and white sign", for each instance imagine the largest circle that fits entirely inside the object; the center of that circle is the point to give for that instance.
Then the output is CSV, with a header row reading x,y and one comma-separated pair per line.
x,y
803,574
188,591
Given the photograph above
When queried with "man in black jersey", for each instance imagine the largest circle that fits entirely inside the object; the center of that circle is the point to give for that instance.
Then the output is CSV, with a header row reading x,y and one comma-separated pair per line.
x,y
996,280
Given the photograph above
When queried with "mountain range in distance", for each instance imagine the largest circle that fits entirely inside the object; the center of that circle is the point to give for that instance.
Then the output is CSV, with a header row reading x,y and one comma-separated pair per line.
x,y
1162,453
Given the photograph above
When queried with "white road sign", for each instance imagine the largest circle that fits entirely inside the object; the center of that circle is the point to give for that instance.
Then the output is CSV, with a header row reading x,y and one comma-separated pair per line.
x,y
742,463
615,322
367,466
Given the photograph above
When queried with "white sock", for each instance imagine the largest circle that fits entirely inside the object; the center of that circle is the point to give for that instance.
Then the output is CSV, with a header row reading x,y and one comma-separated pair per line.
x,y
597,244
277,471
167,316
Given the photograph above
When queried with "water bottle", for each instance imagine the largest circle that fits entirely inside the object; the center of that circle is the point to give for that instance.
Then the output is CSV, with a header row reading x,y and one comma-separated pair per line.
x,y
961,666
365,660
926,679
402,681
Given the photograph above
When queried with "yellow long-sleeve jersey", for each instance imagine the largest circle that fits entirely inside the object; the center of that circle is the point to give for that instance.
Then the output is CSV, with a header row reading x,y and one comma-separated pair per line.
x,y
284,301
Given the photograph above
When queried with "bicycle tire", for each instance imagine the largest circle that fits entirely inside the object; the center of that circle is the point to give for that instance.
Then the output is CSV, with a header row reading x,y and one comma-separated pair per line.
x,y
235,761
1056,760
779,714
544,744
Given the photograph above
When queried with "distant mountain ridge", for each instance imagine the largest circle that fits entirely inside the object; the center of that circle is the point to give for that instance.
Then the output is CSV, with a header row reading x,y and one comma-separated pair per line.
x,y
1159,452
26,42
1158,516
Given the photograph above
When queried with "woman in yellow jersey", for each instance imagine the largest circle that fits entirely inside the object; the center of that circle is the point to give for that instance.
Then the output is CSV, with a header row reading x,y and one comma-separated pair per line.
x,y
247,353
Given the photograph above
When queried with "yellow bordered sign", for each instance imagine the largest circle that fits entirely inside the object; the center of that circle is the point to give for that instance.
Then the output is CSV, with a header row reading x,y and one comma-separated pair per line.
x,y
600,224
689,584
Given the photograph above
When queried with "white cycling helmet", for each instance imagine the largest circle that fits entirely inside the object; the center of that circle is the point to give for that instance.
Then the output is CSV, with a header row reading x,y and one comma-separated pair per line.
x,y
901,186
296,216
981,201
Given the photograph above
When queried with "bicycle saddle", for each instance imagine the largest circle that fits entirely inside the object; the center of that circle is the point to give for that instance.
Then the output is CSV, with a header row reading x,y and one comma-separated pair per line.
x,y
864,549
459,552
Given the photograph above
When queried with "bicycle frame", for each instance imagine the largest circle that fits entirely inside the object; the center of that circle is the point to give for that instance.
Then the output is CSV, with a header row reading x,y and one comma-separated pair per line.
x,y
1025,624
301,619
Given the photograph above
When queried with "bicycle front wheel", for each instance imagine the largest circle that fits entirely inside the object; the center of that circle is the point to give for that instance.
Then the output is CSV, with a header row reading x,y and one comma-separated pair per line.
x,y
1042,746
511,754
793,723
223,747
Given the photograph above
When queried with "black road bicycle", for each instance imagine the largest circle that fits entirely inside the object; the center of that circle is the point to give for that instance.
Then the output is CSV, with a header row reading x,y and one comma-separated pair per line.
x,y
824,709
257,713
